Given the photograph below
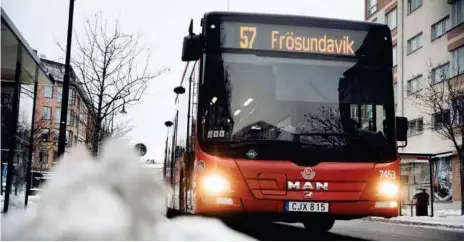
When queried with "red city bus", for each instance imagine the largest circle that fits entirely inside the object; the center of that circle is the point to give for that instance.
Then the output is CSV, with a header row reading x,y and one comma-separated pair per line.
x,y
290,118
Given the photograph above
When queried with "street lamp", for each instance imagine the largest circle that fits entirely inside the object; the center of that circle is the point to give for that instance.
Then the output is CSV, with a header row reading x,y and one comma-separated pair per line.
x,y
123,111
67,71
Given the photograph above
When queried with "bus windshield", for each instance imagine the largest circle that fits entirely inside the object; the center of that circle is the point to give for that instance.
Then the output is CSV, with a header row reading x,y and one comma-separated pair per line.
x,y
325,104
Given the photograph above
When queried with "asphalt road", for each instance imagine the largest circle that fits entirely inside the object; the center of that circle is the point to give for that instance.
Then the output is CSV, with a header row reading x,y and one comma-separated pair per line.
x,y
348,230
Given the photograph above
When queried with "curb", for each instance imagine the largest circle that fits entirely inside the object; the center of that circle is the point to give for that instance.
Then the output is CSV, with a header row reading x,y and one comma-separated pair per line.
x,y
386,220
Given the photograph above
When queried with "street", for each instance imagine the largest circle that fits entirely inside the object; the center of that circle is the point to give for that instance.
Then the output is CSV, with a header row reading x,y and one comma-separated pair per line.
x,y
349,230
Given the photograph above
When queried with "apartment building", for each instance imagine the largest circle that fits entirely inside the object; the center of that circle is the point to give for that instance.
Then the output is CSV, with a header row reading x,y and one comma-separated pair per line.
x,y
428,44
48,110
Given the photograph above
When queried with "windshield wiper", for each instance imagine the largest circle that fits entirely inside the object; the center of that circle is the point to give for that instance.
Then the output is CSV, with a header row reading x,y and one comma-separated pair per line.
x,y
245,142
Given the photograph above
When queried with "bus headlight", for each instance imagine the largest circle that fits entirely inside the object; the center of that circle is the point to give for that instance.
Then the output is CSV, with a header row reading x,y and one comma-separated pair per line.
x,y
215,183
388,189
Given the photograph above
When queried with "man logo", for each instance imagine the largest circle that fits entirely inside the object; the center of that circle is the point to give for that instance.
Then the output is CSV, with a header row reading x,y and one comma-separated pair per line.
x,y
251,154
308,173
320,186
308,195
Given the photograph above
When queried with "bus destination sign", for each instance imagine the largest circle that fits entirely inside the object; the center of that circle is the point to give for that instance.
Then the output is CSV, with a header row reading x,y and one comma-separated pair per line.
x,y
291,38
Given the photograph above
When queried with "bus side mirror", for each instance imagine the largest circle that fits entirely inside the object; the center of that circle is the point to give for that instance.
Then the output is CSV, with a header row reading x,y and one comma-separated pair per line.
x,y
192,47
401,129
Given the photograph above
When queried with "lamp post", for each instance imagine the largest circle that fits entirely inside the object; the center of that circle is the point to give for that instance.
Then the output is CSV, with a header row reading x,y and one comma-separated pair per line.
x,y
67,69
123,111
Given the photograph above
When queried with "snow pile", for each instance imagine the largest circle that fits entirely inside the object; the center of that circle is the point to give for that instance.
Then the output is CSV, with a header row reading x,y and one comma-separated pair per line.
x,y
437,212
449,218
449,221
113,198
447,213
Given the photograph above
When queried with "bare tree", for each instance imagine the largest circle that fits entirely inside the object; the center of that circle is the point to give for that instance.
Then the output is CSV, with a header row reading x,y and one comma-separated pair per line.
x,y
113,69
325,120
442,99
112,129
41,142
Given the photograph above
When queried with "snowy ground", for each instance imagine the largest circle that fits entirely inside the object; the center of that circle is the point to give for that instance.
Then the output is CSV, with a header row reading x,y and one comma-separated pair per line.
x,y
447,218
17,202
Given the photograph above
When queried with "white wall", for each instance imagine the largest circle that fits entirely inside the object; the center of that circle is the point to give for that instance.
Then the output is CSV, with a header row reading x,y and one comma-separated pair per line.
x,y
421,61
432,54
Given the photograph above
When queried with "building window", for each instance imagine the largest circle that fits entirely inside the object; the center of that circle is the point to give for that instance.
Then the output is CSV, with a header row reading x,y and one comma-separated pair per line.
x,y
441,118
55,155
457,61
391,19
414,43
48,91
43,156
457,12
440,73
458,110
440,28
72,97
57,115
59,94
45,134
394,56
69,138
82,127
56,137
414,84
354,111
70,119
47,112
78,102
413,5
416,127
371,7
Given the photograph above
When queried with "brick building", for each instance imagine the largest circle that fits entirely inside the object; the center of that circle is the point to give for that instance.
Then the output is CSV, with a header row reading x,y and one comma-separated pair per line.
x,y
428,44
48,113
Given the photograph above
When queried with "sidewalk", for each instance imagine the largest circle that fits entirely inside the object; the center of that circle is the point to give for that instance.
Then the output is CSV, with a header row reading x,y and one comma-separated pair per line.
x,y
446,215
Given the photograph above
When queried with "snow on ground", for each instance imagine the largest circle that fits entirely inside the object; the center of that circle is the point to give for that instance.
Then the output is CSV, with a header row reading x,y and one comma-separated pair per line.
x,y
16,202
452,220
449,218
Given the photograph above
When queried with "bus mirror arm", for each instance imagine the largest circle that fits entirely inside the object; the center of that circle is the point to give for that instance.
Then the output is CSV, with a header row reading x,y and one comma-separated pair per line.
x,y
191,28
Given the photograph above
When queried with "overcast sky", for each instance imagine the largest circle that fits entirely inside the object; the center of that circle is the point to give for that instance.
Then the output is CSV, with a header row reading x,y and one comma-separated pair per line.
x,y
162,25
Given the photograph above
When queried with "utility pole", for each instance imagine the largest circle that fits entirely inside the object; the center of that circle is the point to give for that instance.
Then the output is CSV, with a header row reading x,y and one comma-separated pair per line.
x,y
67,70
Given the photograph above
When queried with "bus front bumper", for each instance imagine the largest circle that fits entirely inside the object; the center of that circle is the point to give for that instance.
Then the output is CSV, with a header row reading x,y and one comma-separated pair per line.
x,y
219,206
